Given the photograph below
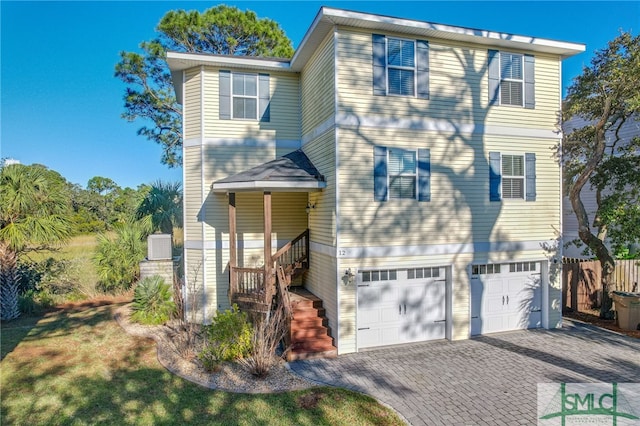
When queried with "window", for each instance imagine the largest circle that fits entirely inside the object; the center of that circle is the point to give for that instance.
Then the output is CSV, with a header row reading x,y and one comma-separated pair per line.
x,y
523,267
513,176
491,268
511,79
401,173
245,96
400,67
380,275
417,273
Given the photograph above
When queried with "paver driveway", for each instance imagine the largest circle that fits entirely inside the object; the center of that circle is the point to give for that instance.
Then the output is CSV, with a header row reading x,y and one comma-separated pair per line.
x,y
489,380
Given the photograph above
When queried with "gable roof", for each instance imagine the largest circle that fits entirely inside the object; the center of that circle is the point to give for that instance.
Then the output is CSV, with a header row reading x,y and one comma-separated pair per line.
x,y
290,173
325,22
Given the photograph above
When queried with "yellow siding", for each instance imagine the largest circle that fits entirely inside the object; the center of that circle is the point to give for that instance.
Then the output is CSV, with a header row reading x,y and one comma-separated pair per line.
x,y
458,86
322,219
285,111
192,104
193,190
318,86
459,210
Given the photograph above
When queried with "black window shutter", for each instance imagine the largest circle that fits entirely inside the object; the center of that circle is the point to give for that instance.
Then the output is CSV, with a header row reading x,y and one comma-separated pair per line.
x,y
422,51
379,65
530,177
424,175
494,77
225,95
380,191
529,82
495,179
264,106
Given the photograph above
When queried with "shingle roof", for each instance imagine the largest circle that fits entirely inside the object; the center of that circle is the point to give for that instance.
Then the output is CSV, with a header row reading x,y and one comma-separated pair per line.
x,y
293,170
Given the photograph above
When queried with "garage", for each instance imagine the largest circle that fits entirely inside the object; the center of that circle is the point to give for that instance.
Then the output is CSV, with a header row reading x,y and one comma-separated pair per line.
x,y
401,306
505,297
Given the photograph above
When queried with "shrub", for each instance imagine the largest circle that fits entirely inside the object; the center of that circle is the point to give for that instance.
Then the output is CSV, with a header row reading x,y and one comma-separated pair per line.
x,y
152,301
227,338
33,303
118,259
268,331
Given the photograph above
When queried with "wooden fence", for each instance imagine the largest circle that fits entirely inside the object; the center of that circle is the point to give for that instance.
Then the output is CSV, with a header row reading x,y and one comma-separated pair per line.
x,y
582,282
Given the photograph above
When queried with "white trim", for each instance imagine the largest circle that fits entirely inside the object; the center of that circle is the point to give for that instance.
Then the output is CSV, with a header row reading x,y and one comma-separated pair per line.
x,y
513,80
268,185
337,183
320,129
180,61
203,199
247,142
184,200
413,69
448,32
224,244
441,126
561,237
439,249
325,249
255,97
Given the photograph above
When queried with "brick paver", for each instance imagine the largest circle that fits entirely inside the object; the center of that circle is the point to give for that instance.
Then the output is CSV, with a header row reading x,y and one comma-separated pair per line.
x,y
486,380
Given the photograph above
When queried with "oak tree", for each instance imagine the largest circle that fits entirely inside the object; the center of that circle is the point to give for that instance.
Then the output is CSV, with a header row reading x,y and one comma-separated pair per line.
x,y
606,97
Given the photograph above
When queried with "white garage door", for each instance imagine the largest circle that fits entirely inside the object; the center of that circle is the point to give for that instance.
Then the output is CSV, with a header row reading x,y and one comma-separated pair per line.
x,y
401,306
505,297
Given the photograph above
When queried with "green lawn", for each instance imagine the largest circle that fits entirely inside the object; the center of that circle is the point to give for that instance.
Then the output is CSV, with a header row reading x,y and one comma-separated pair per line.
x,y
79,251
77,366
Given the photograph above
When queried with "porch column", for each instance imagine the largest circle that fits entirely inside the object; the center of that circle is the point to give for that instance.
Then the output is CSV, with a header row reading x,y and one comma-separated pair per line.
x,y
233,261
268,264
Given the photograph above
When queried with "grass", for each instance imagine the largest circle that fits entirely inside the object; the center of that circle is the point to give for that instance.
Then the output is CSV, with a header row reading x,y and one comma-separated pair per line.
x,y
82,272
77,366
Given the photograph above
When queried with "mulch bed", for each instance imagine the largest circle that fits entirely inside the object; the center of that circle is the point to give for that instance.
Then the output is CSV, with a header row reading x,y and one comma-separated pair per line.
x,y
593,317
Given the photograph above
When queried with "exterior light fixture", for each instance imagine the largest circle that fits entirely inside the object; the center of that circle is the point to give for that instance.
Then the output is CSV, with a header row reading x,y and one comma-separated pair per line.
x,y
309,207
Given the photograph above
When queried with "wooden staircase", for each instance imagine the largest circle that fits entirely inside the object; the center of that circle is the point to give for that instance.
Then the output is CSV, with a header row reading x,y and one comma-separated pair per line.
x,y
254,290
310,336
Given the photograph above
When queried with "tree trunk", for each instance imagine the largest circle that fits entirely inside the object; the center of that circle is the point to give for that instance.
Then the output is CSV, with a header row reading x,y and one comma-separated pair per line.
x,y
9,285
584,230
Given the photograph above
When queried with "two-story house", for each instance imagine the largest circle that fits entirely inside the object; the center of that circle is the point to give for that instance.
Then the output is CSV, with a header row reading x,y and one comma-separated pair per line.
x,y
419,157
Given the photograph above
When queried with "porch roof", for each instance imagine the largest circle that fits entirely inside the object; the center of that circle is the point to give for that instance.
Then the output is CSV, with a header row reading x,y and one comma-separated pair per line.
x,y
293,172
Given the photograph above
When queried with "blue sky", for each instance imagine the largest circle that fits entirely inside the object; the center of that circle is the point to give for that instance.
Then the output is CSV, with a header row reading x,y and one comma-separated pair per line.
x,y
61,105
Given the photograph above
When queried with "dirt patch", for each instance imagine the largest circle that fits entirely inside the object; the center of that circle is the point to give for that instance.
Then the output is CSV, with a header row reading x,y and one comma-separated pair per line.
x,y
95,302
593,318
310,400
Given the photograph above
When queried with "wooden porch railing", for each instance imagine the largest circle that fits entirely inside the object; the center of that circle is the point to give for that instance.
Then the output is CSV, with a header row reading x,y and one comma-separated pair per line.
x,y
295,252
252,284
248,281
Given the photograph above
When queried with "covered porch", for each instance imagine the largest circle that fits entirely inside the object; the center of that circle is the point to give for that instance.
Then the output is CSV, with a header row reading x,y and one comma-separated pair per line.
x,y
254,289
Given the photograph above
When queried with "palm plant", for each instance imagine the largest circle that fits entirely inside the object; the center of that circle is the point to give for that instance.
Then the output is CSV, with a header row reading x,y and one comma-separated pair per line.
x,y
161,208
34,215
118,256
